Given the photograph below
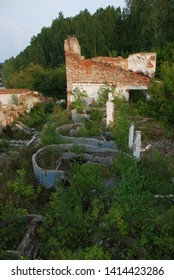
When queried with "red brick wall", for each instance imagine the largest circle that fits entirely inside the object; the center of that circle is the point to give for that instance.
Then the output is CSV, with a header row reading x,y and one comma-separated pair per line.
x,y
98,70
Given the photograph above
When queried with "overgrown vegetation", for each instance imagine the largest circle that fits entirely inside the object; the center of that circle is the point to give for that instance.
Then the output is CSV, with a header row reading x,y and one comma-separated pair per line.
x,y
162,103
51,82
78,96
56,119
84,218
38,115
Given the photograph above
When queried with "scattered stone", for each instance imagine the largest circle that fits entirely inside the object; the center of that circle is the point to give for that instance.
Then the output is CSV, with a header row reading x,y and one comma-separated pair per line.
x,y
147,148
108,135
164,196
74,132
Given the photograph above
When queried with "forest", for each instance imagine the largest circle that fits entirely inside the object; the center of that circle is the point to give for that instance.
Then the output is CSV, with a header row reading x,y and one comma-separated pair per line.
x,y
122,211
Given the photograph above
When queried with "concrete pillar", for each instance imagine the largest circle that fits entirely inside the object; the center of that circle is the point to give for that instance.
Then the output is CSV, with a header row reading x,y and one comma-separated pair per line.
x,y
110,96
109,113
131,136
74,115
148,96
137,145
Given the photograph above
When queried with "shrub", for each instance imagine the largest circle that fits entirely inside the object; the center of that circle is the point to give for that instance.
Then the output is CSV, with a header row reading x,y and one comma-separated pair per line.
x,y
79,95
103,93
157,173
94,252
38,115
49,135
22,192
161,105
4,146
74,212
120,130
96,115
58,117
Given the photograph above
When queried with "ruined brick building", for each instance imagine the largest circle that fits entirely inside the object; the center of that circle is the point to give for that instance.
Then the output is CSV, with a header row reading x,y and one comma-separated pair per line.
x,y
126,75
14,102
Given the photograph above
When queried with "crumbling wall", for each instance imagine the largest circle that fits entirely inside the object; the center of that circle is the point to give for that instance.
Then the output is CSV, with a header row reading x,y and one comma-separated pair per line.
x,y
144,63
10,110
9,113
119,72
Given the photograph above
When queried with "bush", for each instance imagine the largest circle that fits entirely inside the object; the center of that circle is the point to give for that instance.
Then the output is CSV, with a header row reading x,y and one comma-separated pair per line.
x,y
49,135
79,95
96,115
51,82
73,215
120,130
154,167
4,146
58,117
38,115
161,105
22,193
103,93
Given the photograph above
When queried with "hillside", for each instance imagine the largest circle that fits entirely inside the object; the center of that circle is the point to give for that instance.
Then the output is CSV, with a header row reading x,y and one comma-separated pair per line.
x,y
108,206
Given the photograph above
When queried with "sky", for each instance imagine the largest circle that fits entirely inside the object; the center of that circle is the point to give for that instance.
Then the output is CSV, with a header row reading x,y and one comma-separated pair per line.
x,y
20,20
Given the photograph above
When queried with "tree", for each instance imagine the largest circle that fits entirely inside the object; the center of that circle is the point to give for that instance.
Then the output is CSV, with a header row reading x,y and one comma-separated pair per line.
x,y
35,77
149,20
8,71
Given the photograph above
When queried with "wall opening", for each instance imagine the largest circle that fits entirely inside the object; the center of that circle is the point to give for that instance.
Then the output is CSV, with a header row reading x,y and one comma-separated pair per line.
x,y
136,95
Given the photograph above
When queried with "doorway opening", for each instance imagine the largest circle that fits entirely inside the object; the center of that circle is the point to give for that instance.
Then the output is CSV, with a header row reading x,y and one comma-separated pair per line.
x,y
136,95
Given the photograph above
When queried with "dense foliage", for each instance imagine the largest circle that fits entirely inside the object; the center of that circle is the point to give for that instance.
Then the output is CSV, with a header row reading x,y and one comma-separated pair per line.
x,y
140,26
161,105
83,217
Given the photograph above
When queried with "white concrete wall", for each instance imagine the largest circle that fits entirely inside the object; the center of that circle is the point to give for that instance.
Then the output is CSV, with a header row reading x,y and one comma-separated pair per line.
x,y
91,89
